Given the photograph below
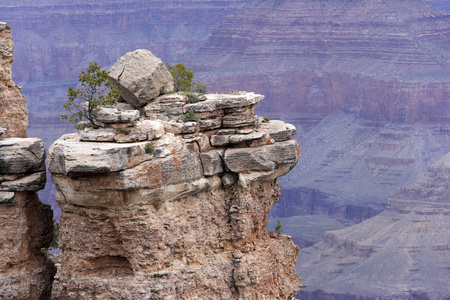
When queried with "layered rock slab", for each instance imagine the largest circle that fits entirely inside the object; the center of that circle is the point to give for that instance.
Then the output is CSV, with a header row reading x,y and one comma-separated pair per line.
x,y
402,253
171,216
25,223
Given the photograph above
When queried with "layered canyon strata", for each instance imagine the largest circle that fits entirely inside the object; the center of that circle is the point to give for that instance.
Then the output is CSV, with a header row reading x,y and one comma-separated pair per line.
x,y
25,223
170,199
365,83
402,253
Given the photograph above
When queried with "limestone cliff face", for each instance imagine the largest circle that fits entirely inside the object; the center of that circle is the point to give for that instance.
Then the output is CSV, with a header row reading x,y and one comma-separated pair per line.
x,y
13,105
25,223
172,204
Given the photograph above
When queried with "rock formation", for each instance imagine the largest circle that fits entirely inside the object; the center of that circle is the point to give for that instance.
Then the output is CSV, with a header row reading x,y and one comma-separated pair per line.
x,y
402,253
25,223
55,40
13,104
171,201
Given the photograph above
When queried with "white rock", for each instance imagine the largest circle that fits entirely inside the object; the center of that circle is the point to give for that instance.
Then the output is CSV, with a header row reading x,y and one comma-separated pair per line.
x,y
140,77
21,155
279,130
264,158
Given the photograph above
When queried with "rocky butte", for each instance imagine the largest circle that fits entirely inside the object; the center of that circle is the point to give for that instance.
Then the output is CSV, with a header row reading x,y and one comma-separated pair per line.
x,y
169,197
25,223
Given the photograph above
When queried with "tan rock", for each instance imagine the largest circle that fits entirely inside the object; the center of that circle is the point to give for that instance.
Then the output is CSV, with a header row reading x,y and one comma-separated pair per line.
x,y
212,162
279,130
13,104
264,158
165,214
140,77
114,115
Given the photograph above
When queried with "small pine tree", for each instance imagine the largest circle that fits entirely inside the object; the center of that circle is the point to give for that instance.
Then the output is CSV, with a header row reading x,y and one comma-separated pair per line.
x,y
278,229
181,76
95,89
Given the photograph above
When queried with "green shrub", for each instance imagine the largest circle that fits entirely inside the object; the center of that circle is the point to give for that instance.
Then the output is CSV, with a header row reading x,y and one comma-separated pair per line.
x,y
181,76
149,148
199,87
123,130
8,26
190,116
192,98
95,89
142,111
55,241
278,229
266,119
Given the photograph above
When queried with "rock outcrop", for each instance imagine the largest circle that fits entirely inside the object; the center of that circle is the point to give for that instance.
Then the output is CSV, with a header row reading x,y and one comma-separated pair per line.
x,y
173,201
402,253
25,223
13,104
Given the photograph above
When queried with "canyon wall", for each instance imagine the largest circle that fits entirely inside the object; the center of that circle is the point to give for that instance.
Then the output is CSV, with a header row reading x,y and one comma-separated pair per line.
x,y
388,60
25,223
170,200
402,253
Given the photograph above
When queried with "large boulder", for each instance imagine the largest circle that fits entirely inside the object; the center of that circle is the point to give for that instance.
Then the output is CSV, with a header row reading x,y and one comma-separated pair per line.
x,y
140,77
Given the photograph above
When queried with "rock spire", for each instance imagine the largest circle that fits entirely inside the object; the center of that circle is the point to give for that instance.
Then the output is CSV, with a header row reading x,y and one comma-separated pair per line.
x,y
25,223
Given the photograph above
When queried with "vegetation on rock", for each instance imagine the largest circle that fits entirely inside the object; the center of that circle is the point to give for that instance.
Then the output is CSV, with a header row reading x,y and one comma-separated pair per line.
x,y
55,242
95,91
190,116
181,76
149,148
278,228
183,79
199,87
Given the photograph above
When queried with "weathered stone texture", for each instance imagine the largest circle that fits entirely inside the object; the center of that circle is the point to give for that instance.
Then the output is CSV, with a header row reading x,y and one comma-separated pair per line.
x,y
13,105
140,77
25,223
175,215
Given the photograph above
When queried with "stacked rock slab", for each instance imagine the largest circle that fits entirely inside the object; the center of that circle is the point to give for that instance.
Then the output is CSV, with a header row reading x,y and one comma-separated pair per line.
x,y
25,223
154,207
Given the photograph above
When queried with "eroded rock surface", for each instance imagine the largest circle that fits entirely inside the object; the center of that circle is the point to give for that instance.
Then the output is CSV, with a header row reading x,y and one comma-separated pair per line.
x,y
140,77
25,223
157,211
13,104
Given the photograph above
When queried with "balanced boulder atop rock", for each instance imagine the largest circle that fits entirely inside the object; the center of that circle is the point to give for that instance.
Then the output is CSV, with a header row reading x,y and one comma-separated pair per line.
x,y
140,77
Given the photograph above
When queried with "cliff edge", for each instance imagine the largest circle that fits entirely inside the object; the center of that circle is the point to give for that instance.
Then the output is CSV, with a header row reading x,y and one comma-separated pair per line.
x,y
25,223
169,200
13,104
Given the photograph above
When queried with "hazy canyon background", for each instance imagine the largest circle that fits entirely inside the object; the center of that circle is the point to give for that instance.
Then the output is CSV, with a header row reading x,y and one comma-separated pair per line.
x,y
367,84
